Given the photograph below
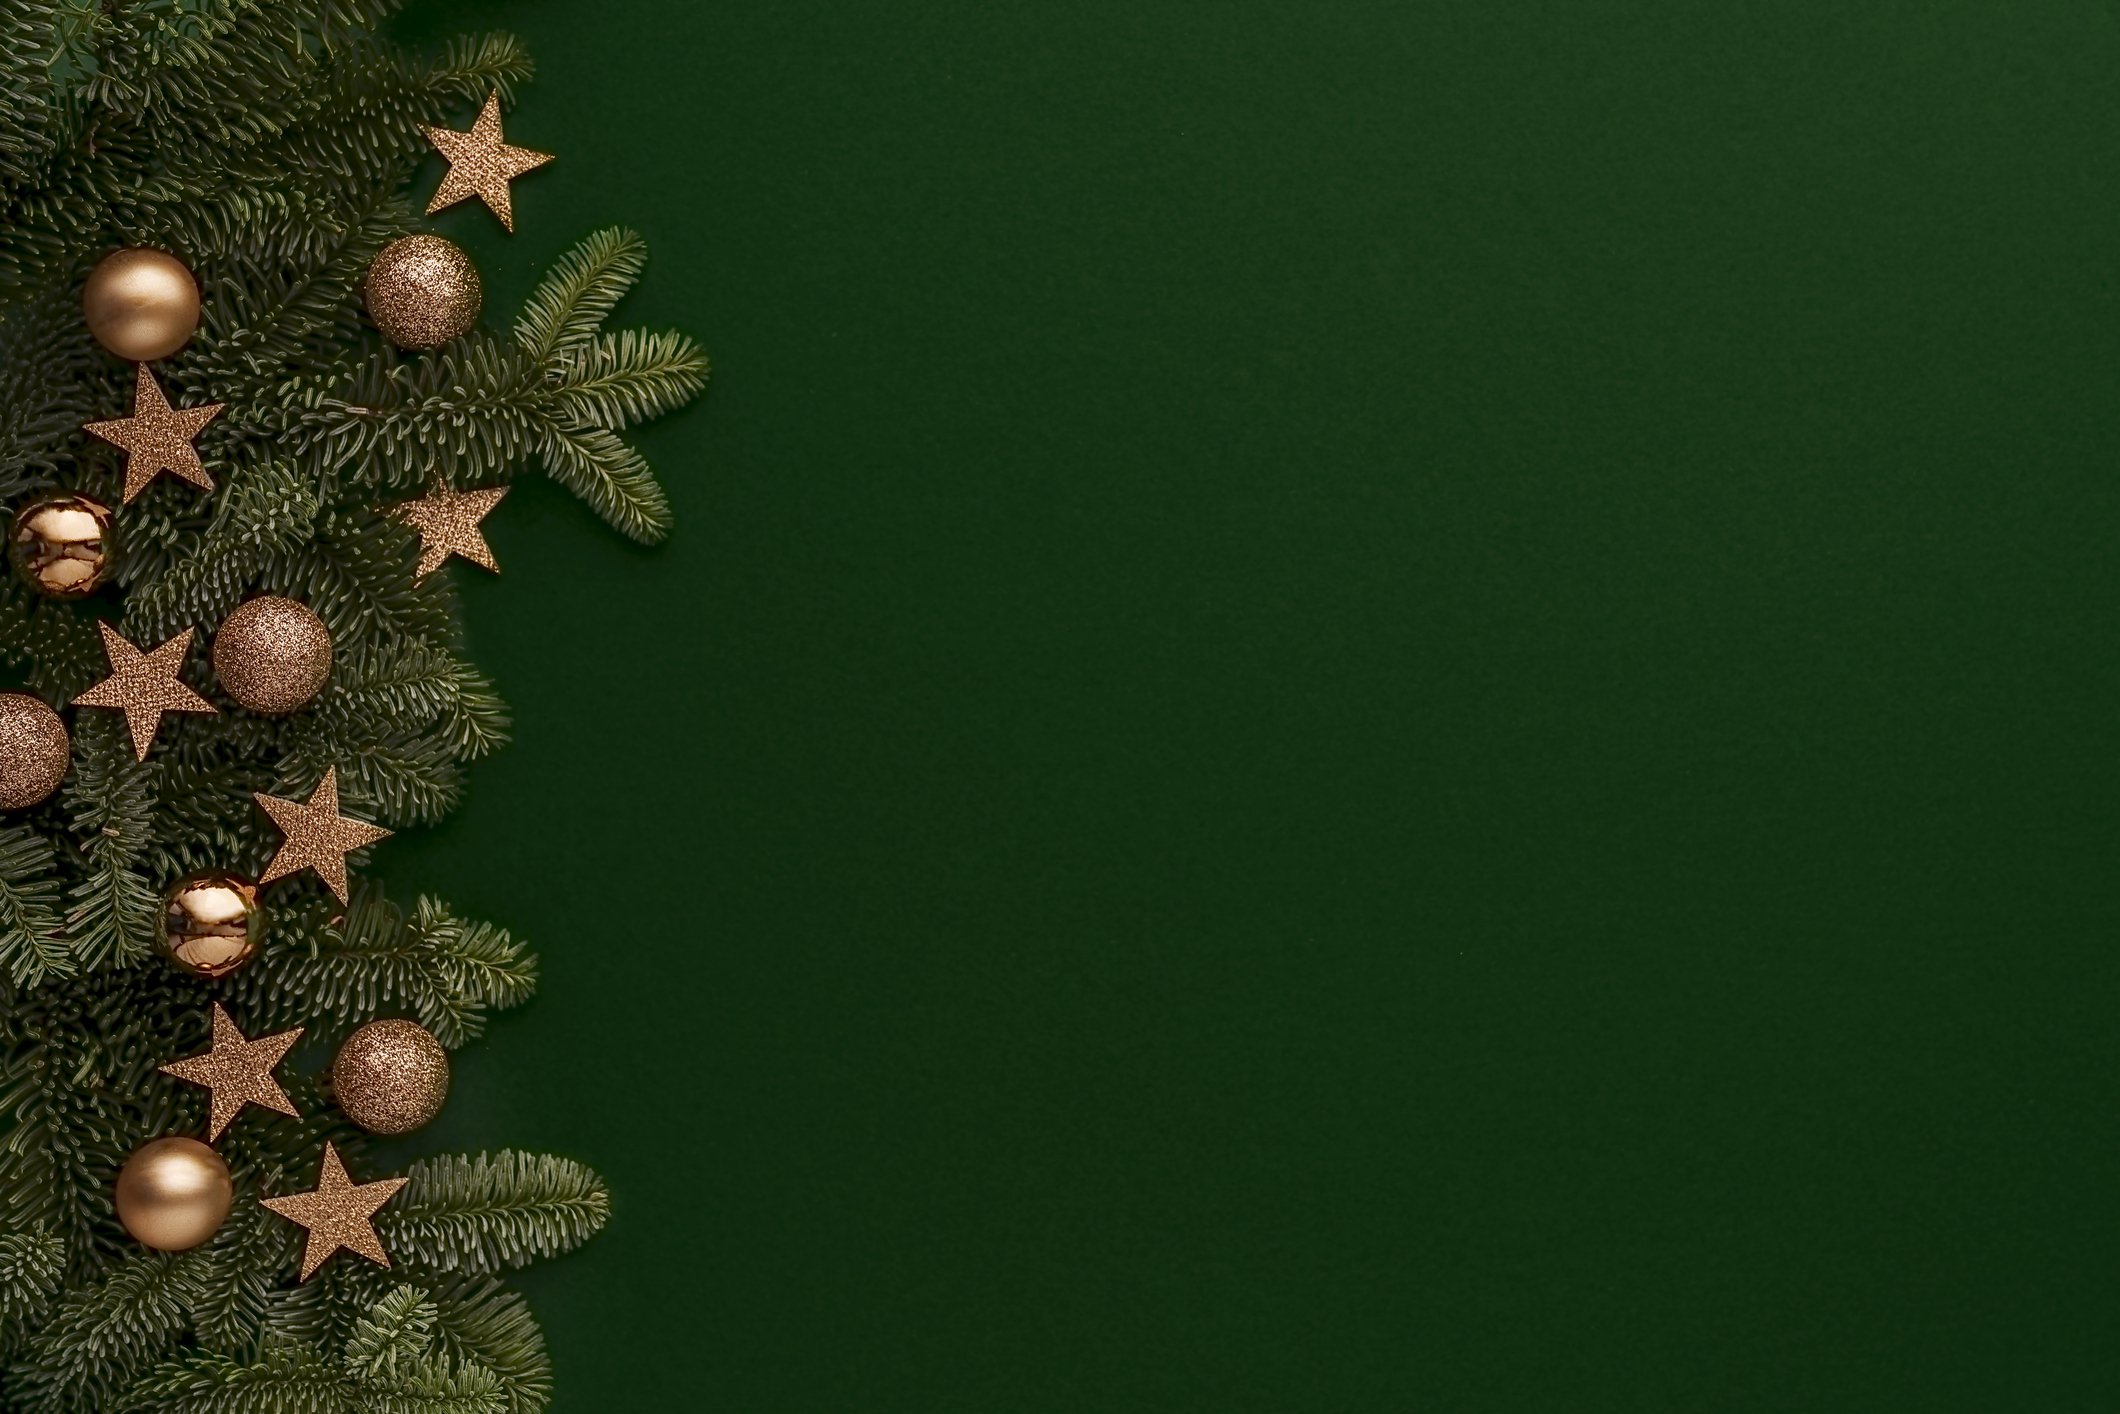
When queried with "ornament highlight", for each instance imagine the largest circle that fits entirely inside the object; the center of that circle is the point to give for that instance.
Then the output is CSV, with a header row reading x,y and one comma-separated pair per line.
x,y
173,1194
272,654
448,523
318,837
144,685
141,304
34,750
338,1213
238,1071
480,164
390,1076
422,291
157,437
211,923
60,545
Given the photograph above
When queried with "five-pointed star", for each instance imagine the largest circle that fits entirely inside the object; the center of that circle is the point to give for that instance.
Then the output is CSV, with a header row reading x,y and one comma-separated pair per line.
x,y
448,525
157,437
480,164
337,1213
144,686
318,837
238,1071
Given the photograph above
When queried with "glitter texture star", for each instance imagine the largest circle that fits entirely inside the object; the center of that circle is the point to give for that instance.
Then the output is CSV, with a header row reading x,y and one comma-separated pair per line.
x,y
338,1213
238,1071
448,525
318,837
480,164
144,685
157,437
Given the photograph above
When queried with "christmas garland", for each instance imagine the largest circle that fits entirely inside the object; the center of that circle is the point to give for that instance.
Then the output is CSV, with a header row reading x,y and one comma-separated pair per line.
x,y
241,670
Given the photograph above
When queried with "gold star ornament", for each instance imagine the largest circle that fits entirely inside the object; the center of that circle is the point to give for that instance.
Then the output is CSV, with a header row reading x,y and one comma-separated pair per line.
x,y
318,837
144,685
238,1071
448,523
157,437
480,164
338,1213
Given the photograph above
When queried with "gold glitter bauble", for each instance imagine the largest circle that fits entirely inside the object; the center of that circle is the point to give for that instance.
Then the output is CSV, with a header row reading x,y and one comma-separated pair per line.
x,y
141,304
391,1076
212,923
61,545
272,654
173,1194
34,750
422,291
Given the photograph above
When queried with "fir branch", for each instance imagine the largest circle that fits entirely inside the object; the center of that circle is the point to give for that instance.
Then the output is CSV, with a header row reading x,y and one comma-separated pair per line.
x,y
481,1213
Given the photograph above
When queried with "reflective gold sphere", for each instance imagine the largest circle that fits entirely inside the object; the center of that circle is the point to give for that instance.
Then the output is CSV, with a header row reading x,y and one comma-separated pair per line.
x,y
173,1194
272,654
422,291
34,750
141,304
390,1076
60,545
212,923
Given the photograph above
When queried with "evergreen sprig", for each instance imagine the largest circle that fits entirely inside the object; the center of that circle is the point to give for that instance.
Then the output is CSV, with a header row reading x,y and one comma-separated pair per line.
x,y
272,146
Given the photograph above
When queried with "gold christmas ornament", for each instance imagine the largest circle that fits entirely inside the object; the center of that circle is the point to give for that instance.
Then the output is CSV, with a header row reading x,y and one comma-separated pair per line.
x,y
34,750
390,1076
448,523
141,304
211,923
480,164
422,291
238,1071
157,437
60,545
318,837
144,685
338,1213
272,654
173,1194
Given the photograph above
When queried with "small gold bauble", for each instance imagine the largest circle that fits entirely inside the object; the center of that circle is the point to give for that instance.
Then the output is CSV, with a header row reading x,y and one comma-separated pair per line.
x,y
390,1076
422,291
212,923
60,545
173,1194
34,750
141,304
272,654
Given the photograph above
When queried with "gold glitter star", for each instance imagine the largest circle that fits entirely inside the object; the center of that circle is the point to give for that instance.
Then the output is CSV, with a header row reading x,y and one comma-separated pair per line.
x,y
157,437
480,164
448,525
318,837
338,1213
238,1071
144,685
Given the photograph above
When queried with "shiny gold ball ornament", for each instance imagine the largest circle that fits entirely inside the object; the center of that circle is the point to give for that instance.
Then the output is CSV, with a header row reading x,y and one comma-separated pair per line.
x,y
141,304
390,1076
422,291
60,545
174,1193
272,654
212,923
34,750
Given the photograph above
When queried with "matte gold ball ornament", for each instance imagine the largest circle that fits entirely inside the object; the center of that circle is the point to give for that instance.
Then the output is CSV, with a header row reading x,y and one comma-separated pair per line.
x,y
60,545
211,923
34,750
141,304
173,1194
272,654
422,291
390,1076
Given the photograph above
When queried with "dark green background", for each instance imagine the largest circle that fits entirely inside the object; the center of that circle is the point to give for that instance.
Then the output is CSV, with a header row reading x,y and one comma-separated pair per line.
x,y
1361,706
